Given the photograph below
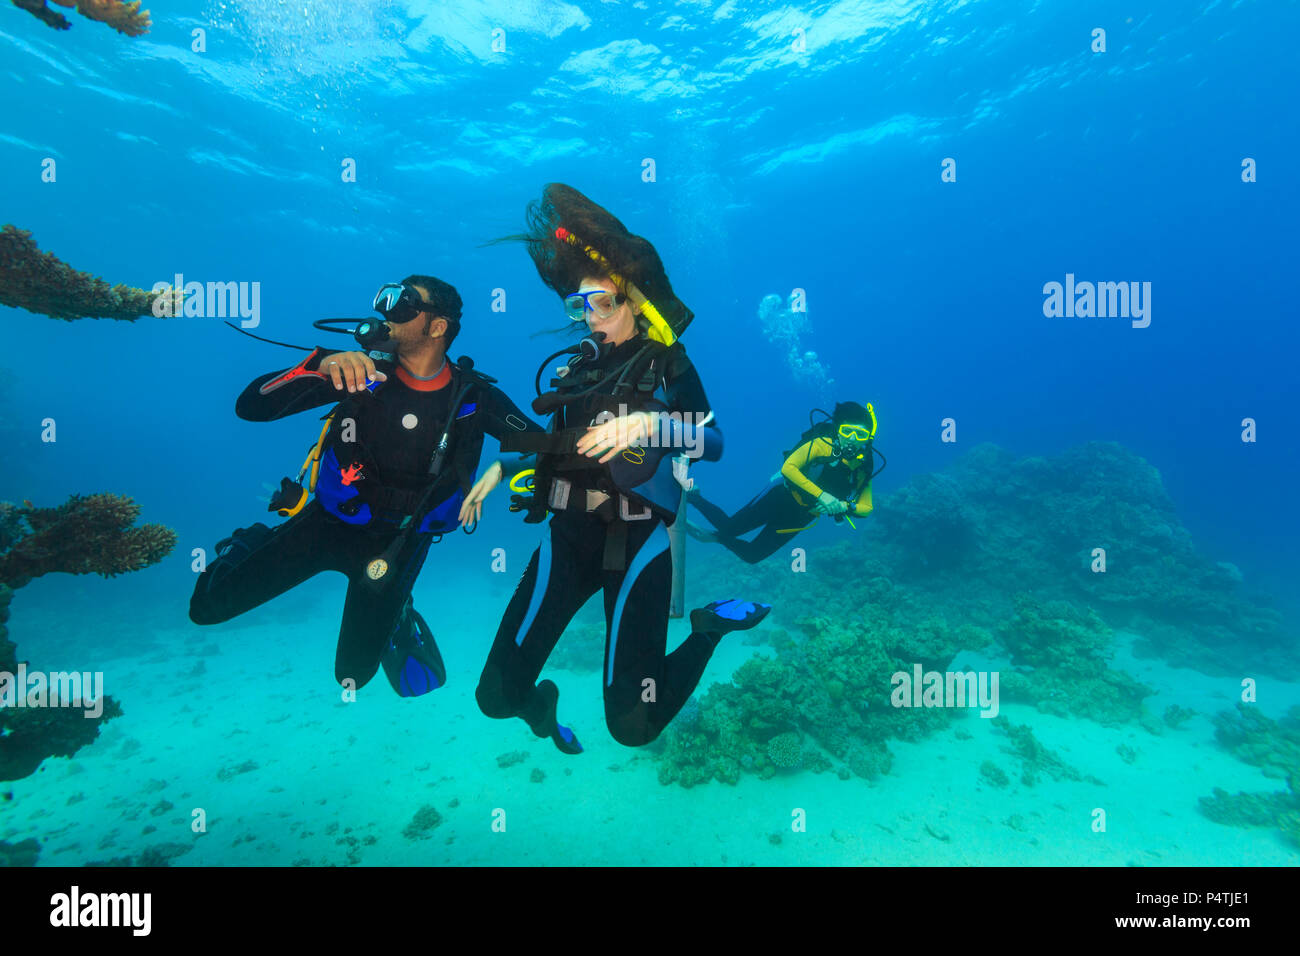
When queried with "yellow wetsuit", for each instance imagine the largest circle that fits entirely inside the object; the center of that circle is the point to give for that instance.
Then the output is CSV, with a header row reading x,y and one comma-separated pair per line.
x,y
847,480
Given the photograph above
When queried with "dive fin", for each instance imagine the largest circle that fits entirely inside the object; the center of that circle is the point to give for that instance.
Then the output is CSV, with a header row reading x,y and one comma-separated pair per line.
x,y
411,661
721,617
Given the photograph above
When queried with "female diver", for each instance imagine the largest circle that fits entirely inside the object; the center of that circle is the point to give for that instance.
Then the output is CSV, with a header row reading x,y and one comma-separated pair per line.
x,y
624,407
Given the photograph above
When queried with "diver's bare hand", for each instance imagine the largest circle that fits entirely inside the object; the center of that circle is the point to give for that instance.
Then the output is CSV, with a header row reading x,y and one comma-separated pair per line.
x,y
606,440
473,503
351,369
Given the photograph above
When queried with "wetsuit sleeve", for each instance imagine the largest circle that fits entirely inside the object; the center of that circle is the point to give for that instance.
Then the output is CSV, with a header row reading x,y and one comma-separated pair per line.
x,y
685,395
502,417
809,453
277,394
863,505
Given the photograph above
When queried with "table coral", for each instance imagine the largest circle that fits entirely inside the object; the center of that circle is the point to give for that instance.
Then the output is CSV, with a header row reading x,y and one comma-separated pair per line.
x,y
87,534
125,18
40,282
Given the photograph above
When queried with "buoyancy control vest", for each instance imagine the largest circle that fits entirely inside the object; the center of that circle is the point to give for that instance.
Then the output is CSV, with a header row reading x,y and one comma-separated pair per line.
x,y
354,492
639,482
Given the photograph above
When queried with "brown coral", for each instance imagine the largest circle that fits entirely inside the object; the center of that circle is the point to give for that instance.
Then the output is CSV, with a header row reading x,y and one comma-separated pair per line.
x,y
125,18
87,534
39,282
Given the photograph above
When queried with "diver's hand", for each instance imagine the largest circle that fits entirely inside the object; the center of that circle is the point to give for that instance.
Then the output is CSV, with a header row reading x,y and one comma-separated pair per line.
x,y
828,504
351,369
473,503
611,437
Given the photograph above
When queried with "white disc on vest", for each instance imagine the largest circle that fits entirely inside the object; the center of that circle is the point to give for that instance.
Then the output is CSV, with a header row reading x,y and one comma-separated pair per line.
x,y
409,421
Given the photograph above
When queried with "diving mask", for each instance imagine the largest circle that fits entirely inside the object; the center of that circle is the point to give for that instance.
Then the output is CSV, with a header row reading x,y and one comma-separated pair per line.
x,y
602,303
399,303
853,439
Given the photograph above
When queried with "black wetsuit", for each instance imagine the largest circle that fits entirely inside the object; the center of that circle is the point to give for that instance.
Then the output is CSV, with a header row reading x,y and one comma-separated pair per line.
x,y
786,508
393,431
635,576
774,511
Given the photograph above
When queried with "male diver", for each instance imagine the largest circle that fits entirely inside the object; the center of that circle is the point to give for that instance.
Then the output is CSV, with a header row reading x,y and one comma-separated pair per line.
x,y
627,411
392,472
839,449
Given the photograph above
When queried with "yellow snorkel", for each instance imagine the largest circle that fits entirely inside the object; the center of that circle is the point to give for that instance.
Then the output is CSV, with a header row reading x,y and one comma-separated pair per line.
x,y
660,330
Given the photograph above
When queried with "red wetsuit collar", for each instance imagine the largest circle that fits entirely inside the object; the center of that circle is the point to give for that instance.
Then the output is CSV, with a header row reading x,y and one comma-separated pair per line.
x,y
425,384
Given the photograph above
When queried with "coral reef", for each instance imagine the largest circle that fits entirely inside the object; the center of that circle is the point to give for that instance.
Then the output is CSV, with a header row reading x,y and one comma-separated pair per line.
x,y
830,688
1035,758
87,534
125,18
992,525
23,853
1271,745
995,552
785,751
39,282
1067,649
1274,747
992,774
426,820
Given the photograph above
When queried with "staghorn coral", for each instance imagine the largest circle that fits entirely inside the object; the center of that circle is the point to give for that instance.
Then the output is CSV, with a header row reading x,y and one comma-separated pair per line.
x,y
87,534
39,282
125,18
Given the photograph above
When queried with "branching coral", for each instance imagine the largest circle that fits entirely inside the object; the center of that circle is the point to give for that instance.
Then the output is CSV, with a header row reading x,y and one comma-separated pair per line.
x,y
39,282
87,534
125,18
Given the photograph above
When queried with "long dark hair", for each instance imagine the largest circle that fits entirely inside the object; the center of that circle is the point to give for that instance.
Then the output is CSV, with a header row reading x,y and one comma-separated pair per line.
x,y
563,266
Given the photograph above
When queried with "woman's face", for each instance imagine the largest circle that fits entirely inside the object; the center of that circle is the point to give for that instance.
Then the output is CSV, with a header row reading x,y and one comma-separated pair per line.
x,y
618,327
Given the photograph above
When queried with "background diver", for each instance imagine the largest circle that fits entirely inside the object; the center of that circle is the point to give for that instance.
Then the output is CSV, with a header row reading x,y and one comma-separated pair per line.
x,y
612,497
392,471
828,473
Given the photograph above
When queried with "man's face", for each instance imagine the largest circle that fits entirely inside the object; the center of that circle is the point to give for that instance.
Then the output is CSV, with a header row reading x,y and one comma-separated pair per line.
x,y
410,335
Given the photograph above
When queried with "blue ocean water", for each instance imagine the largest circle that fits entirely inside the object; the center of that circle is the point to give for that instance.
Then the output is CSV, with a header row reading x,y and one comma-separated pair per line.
x,y
916,173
